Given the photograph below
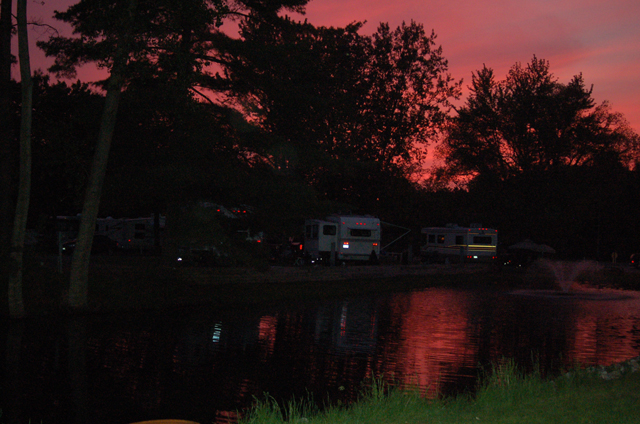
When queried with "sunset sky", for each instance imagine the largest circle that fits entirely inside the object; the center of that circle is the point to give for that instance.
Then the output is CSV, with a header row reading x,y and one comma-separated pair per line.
x,y
599,39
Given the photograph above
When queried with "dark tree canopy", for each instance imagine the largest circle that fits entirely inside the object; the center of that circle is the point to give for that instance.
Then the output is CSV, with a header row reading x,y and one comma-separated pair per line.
x,y
325,119
407,96
531,121
172,40
338,109
65,125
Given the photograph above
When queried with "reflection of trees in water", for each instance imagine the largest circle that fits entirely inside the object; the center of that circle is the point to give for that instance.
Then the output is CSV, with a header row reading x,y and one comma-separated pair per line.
x,y
531,332
77,339
12,373
347,334
186,366
201,364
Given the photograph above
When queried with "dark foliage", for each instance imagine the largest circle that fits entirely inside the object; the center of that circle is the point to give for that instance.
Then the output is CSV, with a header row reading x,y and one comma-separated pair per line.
x,y
530,123
346,114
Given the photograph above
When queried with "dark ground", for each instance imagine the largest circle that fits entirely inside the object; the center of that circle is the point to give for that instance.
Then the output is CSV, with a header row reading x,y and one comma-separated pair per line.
x,y
122,282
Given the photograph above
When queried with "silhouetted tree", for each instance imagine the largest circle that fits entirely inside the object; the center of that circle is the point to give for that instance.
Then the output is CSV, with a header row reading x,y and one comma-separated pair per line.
x,y
165,156
297,82
407,98
66,123
110,33
341,110
531,121
134,39
7,135
539,159
16,304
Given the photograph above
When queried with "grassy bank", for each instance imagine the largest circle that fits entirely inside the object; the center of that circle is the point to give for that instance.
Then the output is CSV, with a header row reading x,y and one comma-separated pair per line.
x,y
507,396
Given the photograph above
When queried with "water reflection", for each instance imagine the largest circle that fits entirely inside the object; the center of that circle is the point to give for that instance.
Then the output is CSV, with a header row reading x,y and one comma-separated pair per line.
x,y
204,365
434,346
605,331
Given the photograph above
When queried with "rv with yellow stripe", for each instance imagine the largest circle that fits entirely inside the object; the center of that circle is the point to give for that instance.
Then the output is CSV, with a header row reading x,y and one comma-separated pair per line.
x,y
459,244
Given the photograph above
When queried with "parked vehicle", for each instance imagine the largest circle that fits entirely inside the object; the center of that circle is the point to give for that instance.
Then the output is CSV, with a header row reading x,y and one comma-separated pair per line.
x,y
343,238
459,244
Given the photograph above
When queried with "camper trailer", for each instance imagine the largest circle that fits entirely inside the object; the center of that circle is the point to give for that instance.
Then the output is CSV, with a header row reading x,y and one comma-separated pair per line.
x,y
350,238
136,234
459,244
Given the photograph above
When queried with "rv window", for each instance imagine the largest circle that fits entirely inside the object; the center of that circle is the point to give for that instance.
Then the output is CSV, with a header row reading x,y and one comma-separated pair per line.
x,y
459,240
482,240
329,230
432,238
440,238
357,232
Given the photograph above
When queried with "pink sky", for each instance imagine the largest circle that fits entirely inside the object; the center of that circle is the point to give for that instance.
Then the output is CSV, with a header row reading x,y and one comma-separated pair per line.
x,y
599,38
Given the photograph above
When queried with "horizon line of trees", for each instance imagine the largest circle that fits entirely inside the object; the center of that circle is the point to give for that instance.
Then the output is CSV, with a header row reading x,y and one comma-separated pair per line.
x,y
301,121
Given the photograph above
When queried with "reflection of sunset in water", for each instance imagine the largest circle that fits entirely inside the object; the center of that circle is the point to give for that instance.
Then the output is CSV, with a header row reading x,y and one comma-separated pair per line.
x,y
434,340
442,335
606,331
205,364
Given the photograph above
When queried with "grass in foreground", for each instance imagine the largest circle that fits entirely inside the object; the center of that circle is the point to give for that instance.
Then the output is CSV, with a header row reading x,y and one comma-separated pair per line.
x,y
580,396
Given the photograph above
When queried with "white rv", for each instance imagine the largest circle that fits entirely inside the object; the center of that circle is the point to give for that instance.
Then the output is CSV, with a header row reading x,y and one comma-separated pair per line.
x,y
349,237
459,244
131,233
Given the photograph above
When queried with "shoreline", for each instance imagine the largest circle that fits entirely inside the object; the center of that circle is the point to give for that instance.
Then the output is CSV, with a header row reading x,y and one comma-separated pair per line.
x,y
129,283
309,274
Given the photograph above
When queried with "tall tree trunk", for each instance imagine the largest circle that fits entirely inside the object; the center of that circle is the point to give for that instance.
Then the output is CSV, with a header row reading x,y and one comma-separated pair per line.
x,y
16,305
79,278
78,284
6,129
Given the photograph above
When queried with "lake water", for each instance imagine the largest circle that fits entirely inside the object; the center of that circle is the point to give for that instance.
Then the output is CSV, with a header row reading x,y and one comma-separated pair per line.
x,y
203,365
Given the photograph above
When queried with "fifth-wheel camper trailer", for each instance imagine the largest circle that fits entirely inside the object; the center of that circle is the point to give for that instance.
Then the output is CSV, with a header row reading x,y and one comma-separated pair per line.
x,y
459,244
350,237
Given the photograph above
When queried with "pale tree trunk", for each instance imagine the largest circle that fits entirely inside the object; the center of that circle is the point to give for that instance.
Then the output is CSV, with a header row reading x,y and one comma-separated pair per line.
x,y
6,130
16,305
78,284
79,278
